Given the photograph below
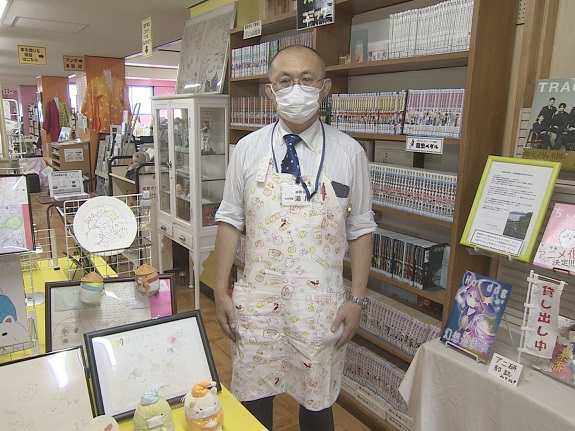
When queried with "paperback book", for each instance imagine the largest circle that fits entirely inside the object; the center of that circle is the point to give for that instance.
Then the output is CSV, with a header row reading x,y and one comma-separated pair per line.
x,y
475,314
557,247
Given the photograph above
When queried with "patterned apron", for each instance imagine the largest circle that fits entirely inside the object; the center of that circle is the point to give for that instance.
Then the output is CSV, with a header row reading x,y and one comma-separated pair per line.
x,y
290,294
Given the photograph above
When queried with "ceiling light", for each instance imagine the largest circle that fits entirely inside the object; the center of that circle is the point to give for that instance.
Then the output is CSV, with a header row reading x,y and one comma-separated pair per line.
x,y
4,6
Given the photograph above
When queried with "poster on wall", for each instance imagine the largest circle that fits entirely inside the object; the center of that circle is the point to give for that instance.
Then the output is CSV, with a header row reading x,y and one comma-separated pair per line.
x,y
510,206
313,13
13,319
204,53
15,215
551,134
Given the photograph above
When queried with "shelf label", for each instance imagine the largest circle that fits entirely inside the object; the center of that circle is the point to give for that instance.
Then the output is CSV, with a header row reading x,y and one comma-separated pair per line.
x,y
505,369
419,144
34,55
147,37
253,29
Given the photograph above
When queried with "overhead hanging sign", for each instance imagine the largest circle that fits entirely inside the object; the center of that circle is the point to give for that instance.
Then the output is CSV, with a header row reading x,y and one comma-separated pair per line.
x,y
313,13
34,55
147,37
74,63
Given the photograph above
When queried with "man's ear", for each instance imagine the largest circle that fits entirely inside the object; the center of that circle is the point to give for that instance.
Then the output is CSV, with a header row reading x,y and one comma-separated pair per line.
x,y
326,87
269,92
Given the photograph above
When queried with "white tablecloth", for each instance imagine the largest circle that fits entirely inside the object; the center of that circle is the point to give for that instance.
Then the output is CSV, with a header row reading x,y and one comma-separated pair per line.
x,y
446,390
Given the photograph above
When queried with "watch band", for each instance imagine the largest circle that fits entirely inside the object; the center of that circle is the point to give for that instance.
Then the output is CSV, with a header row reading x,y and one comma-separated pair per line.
x,y
359,301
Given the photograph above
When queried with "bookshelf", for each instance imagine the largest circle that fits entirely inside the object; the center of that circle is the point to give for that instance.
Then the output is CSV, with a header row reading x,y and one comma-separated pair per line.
x,y
483,72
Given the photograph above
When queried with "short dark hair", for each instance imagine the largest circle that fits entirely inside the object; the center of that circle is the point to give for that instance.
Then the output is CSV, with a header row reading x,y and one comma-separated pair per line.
x,y
552,98
563,105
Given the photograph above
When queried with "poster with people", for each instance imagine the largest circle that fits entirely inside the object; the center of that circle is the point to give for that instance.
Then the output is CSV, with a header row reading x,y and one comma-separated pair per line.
x,y
551,134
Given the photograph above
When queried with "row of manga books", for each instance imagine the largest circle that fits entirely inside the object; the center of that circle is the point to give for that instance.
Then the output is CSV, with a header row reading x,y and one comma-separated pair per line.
x,y
440,28
253,60
397,323
377,113
419,191
434,112
376,374
410,260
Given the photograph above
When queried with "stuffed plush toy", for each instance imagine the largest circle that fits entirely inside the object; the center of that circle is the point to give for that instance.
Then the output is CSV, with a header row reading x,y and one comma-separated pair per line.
x,y
153,413
138,158
203,409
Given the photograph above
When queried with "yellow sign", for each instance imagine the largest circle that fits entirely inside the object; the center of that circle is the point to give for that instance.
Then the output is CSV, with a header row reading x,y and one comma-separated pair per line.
x,y
74,63
34,55
567,158
147,37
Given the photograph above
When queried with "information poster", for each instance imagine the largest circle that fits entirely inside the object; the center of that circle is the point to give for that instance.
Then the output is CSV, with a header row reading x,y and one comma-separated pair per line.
x,y
313,13
510,205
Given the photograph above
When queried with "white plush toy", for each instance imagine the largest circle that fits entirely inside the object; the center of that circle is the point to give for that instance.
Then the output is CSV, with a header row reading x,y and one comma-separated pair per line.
x,y
203,408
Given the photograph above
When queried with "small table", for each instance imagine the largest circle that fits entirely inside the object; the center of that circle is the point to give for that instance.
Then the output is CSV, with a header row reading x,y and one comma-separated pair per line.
x,y
447,390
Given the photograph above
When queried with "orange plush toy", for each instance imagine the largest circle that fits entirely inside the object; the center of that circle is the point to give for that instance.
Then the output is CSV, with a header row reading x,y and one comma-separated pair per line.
x,y
203,408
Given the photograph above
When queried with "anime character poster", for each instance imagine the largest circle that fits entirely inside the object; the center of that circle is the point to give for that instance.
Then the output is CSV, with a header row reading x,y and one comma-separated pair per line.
x,y
557,247
475,314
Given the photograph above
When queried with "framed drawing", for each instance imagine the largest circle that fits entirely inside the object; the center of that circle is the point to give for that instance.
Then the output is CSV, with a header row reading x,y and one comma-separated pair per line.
x,y
67,318
15,215
170,352
48,391
510,205
13,318
204,52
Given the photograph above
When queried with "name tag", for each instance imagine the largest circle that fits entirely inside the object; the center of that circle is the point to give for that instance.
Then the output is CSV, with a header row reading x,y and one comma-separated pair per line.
x,y
293,195
262,169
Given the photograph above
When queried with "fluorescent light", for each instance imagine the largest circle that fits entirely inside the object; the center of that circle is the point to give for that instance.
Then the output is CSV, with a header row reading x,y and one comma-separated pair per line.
x,y
4,5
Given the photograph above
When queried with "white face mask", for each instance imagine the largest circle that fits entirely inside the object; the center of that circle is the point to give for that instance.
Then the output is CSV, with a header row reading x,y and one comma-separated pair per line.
x,y
296,105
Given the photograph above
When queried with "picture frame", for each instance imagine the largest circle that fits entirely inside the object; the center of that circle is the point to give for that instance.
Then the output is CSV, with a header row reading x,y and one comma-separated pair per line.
x,y
68,319
16,221
169,352
46,391
510,205
204,52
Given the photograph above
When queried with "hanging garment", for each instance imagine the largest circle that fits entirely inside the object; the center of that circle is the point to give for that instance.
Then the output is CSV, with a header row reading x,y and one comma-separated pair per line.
x,y
103,105
52,121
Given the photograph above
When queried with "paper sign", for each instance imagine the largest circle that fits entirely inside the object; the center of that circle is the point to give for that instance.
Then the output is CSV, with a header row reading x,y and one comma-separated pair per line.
x,y
74,63
147,37
34,55
253,29
419,144
505,369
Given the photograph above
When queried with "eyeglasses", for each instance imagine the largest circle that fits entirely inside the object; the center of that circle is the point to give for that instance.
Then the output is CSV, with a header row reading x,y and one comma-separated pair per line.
x,y
307,84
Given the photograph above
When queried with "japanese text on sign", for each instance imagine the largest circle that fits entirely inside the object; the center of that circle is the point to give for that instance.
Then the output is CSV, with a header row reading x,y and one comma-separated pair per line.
x,y
505,369
253,29
147,37
34,55
313,13
74,63
424,145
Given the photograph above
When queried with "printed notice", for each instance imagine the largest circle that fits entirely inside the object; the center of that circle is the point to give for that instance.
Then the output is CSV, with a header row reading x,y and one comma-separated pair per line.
x,y
34,55
73,155
510,205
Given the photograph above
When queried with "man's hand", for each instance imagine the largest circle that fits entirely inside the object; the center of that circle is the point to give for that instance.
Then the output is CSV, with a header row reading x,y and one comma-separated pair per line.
x,y
226,316
348,314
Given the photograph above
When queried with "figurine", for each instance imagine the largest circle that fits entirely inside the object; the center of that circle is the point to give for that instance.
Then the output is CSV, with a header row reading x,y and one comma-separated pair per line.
x,y
203,409
147,279
153,413
91,288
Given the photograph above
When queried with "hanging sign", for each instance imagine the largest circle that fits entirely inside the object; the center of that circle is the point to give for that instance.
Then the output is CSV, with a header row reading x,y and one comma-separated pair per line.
x,y
34,55
74,63
147,37
313,13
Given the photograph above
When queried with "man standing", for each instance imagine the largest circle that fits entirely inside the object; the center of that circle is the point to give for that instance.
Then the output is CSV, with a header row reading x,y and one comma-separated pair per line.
x,y
302,191
548,111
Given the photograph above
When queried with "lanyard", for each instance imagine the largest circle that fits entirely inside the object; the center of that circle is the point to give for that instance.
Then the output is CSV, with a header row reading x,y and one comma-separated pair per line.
x,y
302,182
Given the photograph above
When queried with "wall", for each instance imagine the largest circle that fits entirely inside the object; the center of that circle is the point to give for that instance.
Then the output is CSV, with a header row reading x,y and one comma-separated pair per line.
x,y
247,10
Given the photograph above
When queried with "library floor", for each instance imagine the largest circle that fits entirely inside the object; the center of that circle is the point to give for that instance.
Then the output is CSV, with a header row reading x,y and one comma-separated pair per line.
x,y
285,408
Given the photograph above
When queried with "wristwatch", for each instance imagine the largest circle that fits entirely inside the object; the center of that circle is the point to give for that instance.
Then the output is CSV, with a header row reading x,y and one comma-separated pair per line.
x,y
359,301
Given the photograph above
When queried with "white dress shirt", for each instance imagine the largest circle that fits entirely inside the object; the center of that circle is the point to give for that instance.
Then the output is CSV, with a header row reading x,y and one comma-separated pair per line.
x,y
345,162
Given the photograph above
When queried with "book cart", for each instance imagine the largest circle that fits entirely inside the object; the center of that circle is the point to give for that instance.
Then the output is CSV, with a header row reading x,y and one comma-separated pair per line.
x,y
481,70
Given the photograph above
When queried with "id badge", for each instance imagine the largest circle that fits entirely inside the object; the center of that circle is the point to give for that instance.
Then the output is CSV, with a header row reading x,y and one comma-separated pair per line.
x,y
293,195
262,169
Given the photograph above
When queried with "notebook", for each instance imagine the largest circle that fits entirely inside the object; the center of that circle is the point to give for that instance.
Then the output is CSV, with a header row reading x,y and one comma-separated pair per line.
x,y
67,185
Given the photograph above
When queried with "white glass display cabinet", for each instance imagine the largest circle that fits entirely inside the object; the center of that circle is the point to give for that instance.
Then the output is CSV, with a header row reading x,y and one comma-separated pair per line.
x,y
190,141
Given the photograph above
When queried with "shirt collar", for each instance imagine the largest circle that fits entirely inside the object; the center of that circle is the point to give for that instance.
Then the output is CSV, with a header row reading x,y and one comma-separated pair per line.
x,y
308,136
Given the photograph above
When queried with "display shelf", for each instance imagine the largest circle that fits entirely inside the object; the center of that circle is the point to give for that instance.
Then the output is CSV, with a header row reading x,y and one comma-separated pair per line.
x,y
365,415
70,155
191,136
413,216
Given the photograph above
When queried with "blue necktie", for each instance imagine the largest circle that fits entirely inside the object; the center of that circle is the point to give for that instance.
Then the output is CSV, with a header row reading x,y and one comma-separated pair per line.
x,y
290,163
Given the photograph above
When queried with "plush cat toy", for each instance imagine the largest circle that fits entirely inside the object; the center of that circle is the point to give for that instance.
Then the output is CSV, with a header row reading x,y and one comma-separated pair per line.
x,y
153,413
203,408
